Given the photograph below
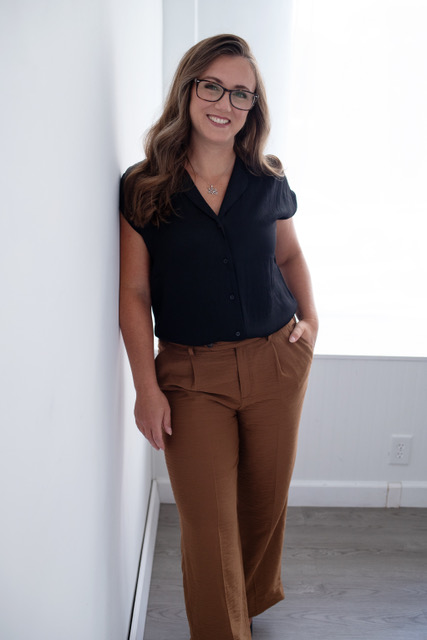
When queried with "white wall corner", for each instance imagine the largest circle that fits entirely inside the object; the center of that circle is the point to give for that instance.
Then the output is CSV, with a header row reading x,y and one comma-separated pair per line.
x,y
165,490
142,590
394,495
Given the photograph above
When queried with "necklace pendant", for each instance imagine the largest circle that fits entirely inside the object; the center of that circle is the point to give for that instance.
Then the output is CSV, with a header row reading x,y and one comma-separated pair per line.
x,y
212,190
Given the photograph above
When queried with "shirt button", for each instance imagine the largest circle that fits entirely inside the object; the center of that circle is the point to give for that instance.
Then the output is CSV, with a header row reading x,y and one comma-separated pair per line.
x,y
237,333
231,296
225,261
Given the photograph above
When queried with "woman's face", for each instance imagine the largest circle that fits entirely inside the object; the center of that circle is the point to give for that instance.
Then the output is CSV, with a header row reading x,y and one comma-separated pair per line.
x,y
219,122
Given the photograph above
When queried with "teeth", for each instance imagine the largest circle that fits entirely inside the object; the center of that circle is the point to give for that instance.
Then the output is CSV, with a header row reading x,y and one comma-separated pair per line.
x,y
218,120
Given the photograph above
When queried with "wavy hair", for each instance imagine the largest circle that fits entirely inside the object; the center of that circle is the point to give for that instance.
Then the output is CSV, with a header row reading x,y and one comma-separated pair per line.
x,y
149,186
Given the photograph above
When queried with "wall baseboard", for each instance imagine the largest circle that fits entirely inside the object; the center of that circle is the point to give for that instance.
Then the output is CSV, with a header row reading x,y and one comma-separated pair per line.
x,y
142,590
165,491
414,494
312,493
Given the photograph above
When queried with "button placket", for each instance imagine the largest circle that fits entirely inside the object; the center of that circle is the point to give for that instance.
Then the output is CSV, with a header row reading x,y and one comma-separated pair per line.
x,y
228,261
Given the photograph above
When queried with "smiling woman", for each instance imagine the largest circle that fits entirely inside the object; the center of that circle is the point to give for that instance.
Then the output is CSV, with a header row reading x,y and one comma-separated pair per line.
x,y
208,243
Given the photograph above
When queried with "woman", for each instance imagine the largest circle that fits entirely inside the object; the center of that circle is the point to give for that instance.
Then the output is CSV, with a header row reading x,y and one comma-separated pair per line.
x,y
208,242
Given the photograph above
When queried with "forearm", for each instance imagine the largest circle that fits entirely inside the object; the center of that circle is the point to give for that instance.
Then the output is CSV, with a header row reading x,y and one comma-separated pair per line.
x,y
297,277
152,411
137,329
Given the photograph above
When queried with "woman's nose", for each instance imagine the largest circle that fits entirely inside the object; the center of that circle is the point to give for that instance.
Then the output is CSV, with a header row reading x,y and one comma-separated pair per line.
x,y
224,102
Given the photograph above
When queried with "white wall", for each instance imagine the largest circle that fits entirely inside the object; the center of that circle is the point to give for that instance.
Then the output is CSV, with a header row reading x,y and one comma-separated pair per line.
x,y
75,474
267,26
353,405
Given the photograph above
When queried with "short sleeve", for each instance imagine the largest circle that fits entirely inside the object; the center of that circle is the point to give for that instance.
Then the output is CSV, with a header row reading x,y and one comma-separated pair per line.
x,y
286,201
124,198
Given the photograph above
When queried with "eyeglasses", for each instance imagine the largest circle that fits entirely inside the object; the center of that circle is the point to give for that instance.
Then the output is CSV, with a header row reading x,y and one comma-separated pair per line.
x,y
213,92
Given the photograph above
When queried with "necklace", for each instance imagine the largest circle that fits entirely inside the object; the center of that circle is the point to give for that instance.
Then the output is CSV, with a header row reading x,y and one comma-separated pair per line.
x,y
211,189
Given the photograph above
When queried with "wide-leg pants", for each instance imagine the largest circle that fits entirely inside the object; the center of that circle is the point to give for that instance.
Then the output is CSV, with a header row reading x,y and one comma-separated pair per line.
x,y
235,408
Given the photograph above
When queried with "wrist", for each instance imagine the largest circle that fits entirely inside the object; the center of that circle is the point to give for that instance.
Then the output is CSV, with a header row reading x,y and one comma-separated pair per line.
x,y
146,389
312,320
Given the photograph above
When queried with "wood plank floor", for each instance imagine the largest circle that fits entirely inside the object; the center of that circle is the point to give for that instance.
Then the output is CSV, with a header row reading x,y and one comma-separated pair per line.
x,y
348,574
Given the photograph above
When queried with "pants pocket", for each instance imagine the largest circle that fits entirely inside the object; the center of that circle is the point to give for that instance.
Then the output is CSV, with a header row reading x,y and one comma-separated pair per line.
x,y
174,370
293,359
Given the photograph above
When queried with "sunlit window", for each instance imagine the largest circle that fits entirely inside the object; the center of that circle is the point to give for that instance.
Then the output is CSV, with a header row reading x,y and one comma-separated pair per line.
x,y
357,142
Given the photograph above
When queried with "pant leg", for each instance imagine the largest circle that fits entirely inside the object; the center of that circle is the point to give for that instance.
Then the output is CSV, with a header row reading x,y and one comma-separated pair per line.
x,y
269,420
202,457
235,415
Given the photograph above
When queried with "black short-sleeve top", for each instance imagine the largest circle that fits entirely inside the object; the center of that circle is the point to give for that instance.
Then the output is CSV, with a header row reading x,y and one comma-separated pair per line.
x,y
214,277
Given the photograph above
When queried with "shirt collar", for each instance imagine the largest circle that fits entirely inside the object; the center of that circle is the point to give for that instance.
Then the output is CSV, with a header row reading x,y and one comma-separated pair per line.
x,y
236,186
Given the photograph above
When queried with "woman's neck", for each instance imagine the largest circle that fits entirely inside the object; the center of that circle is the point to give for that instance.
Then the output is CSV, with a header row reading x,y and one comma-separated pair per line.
x,y
211,162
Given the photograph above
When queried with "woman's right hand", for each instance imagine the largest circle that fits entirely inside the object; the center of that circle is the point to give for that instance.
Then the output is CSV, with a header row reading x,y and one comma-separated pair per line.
x,y
153,417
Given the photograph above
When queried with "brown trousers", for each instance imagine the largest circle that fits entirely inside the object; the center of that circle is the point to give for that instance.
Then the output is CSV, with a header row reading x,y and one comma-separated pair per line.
x,y
235,407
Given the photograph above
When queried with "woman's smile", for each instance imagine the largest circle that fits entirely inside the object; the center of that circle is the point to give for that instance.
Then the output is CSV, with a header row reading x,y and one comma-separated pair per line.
x,y
217,120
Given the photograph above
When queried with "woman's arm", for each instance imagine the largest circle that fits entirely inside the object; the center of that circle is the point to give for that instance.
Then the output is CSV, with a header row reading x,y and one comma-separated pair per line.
x,y
152,412
293,266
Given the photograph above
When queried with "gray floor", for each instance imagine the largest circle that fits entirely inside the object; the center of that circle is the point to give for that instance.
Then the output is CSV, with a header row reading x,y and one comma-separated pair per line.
x,y
348,573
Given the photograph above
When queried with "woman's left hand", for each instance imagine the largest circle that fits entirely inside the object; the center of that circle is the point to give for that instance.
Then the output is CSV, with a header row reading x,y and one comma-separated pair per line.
x,y
306,329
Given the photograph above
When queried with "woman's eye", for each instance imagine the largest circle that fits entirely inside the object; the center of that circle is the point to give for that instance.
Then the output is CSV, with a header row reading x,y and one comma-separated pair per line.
x,y
242,95
212,87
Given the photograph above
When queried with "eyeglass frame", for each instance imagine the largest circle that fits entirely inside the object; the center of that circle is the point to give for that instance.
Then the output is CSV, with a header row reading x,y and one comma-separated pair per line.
x,y
255,96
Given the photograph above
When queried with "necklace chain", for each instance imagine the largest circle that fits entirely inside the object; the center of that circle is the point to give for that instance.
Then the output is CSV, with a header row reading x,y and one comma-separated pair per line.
x,y
211,189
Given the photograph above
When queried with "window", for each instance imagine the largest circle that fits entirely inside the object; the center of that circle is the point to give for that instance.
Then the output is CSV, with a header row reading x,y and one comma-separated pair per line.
x,y
357,142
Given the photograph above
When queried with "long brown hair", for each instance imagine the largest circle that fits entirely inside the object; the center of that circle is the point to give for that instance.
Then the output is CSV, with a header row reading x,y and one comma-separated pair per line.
x,y
149,186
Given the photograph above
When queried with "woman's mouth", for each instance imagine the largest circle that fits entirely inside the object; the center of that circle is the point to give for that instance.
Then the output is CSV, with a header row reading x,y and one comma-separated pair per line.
x,y
218,120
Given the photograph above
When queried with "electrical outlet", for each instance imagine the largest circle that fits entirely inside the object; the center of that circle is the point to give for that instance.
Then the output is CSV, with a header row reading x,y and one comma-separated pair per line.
x,y
400,449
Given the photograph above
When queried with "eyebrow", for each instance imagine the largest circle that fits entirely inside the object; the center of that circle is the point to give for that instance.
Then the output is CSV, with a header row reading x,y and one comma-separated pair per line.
x,y
237,86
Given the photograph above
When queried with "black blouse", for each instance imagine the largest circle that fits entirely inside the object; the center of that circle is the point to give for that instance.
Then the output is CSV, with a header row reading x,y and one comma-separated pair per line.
x,y
215,277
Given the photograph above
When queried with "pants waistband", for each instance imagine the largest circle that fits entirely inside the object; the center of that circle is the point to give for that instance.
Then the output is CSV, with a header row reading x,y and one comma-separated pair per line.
x,y
223,346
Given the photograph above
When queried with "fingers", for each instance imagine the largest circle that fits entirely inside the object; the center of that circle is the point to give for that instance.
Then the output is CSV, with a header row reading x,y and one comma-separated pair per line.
x,y
153,441
167,422
155,436
296,334
147,433
304,329
153,419
158,441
